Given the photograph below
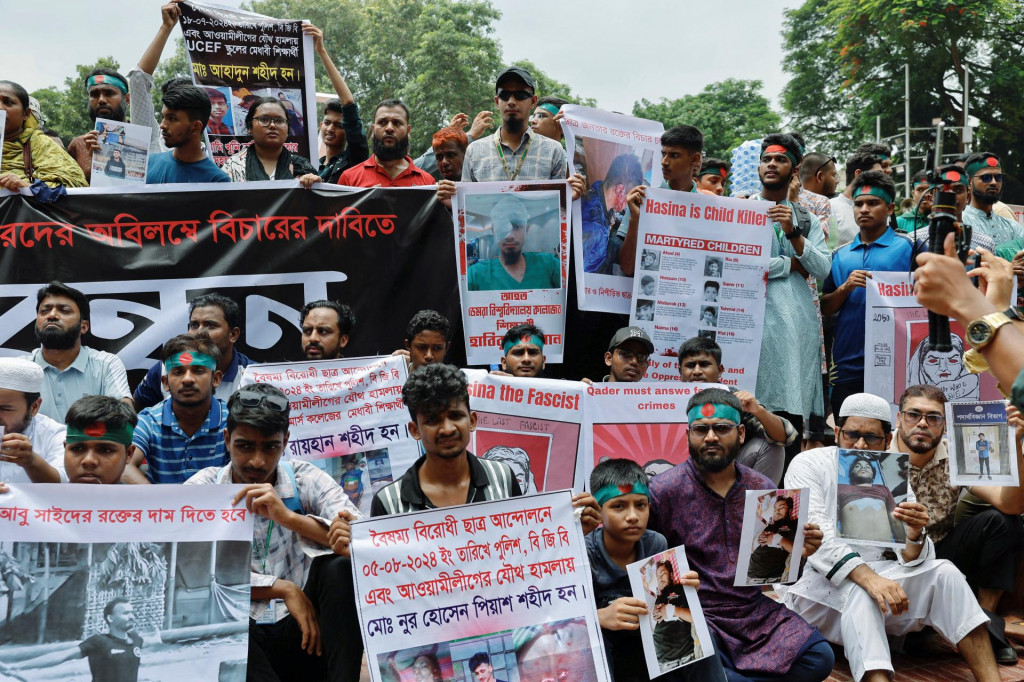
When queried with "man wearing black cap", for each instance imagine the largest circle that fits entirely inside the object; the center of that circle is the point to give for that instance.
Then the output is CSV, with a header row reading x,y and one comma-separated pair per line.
x,y
986,179
628,354
514,151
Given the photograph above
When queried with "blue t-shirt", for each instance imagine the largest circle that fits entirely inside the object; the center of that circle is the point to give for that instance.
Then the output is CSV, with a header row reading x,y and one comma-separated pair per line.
x,y
889,253
983,446
164,168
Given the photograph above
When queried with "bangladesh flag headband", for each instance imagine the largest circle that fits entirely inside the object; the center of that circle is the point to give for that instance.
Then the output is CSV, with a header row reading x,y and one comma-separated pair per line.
x,y
612,491
100,431
779,149
714,171
876,191
190,358
987,163
713,411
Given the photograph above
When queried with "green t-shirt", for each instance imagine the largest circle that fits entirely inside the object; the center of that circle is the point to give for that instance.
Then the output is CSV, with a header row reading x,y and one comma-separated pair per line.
x,y
543,271
908,221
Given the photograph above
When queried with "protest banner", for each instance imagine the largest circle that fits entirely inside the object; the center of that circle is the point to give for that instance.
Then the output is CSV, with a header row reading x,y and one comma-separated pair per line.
x,y
238,57
981,449
703,271
122,156
865,501
772,538
615,153
896,351
511,244
146,579
140,256
673,631
533,425
1018,213
642,422
509,578
347,418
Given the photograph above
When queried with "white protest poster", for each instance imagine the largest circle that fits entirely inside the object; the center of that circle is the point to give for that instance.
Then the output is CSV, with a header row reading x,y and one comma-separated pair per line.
x,y
512,249
644,422
347,417
674,632
982,446
706,258
124,582
508,578
122,156
865,501
896,353
772,538
615,153
533,425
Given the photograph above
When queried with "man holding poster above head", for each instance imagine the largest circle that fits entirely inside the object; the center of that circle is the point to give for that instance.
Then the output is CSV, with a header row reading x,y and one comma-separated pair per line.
x,y
296,630
790,342
852,592
513,269
699,504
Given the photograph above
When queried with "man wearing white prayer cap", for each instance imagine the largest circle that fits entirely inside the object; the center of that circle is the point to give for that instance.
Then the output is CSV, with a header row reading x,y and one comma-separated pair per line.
x,y
32,447
856,595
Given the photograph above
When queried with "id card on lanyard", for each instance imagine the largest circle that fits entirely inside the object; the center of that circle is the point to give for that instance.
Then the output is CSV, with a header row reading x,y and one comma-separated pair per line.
x,y
511,175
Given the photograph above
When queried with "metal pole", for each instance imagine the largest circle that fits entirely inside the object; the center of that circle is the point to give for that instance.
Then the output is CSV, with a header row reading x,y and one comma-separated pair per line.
x,y
878,128
906,129
965,136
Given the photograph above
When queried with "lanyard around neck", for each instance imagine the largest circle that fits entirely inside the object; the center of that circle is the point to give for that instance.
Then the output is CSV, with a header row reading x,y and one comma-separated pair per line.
x,y
511,175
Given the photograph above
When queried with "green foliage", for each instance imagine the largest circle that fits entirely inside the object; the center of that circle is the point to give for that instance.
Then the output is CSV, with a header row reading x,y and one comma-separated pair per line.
x,y
67,109
847,57
176,66
727,112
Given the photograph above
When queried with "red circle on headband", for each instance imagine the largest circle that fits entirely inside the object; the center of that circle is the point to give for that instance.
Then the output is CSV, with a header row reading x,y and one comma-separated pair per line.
x,y
185,358
952,176
865,189
723,172
708,410
95,430
624,489
992,161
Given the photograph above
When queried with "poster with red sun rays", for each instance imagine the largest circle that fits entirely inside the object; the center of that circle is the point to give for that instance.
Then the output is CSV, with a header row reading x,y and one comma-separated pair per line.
x,y
642,422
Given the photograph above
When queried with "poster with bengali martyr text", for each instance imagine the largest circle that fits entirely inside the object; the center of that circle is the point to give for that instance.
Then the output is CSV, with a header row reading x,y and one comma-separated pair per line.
x,y
533,425
982,446
644,422
504,583
615,153
149,580
239,57
896,353
347,418
512,248
702,270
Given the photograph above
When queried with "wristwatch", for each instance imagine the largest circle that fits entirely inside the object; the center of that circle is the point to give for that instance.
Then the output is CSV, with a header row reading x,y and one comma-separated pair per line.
x,y
981,332
921,538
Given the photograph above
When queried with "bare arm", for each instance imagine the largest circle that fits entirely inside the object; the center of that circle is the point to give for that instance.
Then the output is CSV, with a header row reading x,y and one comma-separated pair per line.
x,y
169,14
337,82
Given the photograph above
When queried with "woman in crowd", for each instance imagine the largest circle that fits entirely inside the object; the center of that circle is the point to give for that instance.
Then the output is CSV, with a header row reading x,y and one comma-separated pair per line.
x,y
29,154
267,158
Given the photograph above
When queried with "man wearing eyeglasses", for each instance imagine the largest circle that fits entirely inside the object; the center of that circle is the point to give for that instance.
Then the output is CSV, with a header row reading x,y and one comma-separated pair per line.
x,y
298,628
857,595
699,503
986,545
986,178
628,355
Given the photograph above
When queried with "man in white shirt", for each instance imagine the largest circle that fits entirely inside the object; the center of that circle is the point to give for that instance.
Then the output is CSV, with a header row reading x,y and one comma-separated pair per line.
x,y
32,446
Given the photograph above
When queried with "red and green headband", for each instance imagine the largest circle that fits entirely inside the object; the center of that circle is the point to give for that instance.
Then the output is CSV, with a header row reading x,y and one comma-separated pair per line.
x,y
611,491
100,431
714,171
713,411
779,149
104,79
190,358
987,163
874,190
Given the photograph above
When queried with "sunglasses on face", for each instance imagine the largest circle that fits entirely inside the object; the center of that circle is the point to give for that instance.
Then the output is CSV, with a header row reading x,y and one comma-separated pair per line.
x,y
990,177
520,95
701,430
252,399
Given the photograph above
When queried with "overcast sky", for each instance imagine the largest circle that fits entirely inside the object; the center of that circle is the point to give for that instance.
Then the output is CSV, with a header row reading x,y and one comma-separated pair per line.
x,y
616,52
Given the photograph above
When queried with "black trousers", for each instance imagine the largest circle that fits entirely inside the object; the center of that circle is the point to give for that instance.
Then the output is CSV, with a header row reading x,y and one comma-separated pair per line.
x,y
275,653
986,548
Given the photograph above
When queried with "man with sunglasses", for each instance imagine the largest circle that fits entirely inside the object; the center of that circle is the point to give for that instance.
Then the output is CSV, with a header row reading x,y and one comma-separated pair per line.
x,y
857,594
298,629
986,545
700,503
986,177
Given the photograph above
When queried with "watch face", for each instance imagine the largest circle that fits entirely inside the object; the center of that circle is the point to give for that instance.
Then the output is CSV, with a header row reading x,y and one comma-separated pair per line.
x,y
978,332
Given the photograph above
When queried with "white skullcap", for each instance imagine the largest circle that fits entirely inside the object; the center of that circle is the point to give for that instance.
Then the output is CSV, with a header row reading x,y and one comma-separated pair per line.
x,y
20,374
866,405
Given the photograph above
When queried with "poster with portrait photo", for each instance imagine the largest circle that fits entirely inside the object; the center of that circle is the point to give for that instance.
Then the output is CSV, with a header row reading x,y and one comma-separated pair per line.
x,y
772,538
222,113
511,249
245,56
154,580
982,446
674,632
896,352
533,425
615,153
865,502
705,247
122,156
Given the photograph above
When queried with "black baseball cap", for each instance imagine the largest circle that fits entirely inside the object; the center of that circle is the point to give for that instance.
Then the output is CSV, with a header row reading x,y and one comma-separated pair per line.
x,y
631,333
518,72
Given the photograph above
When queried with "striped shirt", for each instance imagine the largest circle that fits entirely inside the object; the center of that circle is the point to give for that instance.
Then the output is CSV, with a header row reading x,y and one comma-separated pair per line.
x,y
173,456
488,481
278,553
545,159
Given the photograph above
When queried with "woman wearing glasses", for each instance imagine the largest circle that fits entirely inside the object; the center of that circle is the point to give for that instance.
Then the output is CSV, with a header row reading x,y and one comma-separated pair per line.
x,y
267,158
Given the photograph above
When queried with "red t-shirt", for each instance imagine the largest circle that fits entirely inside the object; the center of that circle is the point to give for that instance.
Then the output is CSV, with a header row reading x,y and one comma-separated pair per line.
x,y
369,174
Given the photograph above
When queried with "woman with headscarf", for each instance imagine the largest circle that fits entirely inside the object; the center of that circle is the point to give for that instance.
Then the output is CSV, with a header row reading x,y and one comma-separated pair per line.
x,y
29,154
267,158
